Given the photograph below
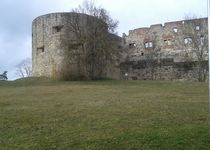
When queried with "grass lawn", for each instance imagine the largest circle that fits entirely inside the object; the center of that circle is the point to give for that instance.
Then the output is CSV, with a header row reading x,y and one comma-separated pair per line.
x,y
103,115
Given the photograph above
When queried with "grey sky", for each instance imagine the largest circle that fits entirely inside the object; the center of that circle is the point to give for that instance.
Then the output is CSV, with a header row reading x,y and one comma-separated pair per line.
x,y
17,15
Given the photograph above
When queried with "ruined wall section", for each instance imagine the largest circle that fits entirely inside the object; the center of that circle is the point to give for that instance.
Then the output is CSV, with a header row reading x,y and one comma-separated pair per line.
x,y
168,37
134,43
168,42
164,37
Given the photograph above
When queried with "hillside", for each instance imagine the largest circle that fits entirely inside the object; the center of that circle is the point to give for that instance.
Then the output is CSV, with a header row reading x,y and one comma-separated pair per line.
x,y
45,114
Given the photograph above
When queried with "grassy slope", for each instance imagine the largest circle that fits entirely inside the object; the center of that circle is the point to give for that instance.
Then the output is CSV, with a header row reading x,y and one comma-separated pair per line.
x,y
103,115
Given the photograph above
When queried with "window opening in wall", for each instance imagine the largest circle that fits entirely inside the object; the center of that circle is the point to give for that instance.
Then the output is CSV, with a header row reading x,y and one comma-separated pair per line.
x,y
202,39
148,44
132,45
57,29
168,42
197,28
175,30
142,53
187,40
74,46
40,49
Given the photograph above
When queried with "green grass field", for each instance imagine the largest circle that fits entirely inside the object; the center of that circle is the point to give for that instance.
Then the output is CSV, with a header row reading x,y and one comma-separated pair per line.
x,y
103,115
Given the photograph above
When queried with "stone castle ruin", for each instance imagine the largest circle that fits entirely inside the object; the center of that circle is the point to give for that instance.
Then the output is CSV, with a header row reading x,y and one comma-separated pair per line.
x,y
158,52
175,50
57,48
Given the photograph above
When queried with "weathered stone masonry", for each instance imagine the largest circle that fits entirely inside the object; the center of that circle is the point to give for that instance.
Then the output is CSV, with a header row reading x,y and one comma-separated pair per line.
x,y
172,61
54,47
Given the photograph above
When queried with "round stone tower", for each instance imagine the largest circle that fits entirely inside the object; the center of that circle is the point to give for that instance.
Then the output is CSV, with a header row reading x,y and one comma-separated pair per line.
x,y
55,44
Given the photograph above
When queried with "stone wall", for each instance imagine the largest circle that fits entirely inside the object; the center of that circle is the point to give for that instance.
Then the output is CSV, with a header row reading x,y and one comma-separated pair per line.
x,y
48,52
169,38
55,49
165,44
167,69
55,46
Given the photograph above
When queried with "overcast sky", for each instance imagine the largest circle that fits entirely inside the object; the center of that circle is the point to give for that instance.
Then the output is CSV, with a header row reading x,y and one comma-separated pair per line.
x,y
17,16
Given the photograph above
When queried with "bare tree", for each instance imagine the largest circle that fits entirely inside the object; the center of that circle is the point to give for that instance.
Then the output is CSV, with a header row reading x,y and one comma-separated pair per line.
x,y
96,41
24,68
195,43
